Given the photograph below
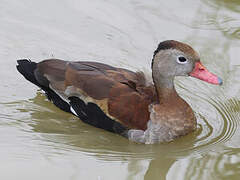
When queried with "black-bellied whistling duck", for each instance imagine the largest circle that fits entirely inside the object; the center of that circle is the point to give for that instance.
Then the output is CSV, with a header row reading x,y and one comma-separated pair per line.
x,y
122,101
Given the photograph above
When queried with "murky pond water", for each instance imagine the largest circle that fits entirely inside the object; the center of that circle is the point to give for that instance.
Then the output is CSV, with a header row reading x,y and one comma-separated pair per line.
x,y
38,141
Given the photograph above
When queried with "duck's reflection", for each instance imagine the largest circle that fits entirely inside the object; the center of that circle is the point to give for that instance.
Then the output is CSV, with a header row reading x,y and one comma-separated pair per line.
x,y
177,160
69,133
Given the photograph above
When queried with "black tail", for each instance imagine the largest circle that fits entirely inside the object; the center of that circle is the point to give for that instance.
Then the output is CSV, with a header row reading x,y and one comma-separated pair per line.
x,y
27,68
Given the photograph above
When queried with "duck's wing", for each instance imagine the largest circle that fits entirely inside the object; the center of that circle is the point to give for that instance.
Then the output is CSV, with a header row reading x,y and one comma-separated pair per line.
x,y
91,87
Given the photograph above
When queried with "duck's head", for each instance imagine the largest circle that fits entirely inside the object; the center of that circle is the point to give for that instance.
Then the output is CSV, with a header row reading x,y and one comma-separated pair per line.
x,y
173,58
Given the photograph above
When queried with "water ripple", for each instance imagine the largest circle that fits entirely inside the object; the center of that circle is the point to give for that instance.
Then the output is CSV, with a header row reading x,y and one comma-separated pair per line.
x,y
65,133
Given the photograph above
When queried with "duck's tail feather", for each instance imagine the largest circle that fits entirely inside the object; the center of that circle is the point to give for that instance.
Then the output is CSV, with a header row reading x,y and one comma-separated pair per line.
x,y
27,68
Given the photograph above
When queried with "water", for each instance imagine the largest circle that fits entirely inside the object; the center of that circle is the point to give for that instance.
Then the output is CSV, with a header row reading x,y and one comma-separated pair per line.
x,y
38,141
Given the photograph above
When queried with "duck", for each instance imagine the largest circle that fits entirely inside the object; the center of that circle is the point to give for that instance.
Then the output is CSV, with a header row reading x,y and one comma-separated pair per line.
x,y
122,101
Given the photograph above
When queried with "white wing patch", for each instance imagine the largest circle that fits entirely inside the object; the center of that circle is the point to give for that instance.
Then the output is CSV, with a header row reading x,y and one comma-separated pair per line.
x,y
73,111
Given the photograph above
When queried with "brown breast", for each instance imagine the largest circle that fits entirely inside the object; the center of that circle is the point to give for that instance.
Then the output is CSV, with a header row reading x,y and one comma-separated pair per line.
x,y
176,115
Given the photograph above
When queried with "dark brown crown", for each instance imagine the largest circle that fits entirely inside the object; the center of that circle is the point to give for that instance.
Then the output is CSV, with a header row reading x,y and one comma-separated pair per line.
x,y
171,44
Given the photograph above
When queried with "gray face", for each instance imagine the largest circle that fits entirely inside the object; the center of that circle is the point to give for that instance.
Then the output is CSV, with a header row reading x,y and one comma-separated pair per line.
x,y
173,62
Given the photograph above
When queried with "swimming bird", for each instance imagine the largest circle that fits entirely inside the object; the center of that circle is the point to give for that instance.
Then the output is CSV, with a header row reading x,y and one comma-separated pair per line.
x,y
122,101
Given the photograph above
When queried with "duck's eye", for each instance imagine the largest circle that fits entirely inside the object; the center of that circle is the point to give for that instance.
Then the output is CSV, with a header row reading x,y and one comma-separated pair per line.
x,y
181,60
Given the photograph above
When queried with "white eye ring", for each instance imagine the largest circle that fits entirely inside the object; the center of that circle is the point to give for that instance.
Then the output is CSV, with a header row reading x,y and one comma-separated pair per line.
x,y
182,60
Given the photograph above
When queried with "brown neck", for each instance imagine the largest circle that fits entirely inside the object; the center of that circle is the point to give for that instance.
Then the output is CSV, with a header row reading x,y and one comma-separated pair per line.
x,y
167,95
165,89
